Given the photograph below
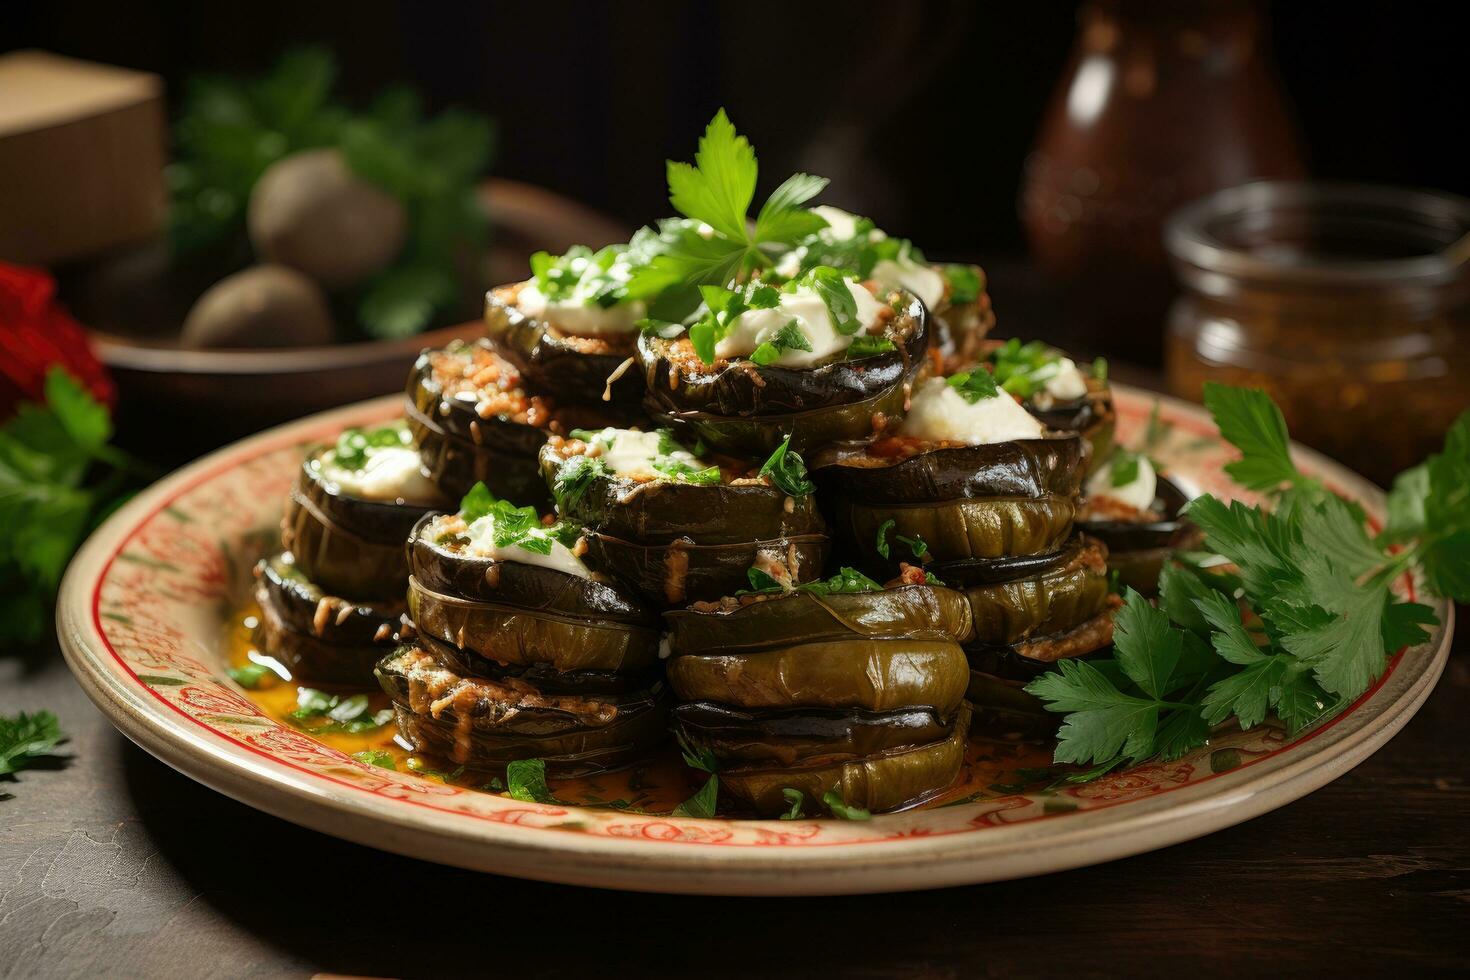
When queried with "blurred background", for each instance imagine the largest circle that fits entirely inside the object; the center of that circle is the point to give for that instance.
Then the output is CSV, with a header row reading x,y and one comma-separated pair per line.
x,y
1047,142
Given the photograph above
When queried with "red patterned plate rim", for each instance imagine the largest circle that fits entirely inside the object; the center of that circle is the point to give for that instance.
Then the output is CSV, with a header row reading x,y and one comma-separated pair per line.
x,y
143,607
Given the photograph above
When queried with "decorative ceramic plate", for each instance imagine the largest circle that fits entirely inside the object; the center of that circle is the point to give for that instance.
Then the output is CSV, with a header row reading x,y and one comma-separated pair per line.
x,y
143,617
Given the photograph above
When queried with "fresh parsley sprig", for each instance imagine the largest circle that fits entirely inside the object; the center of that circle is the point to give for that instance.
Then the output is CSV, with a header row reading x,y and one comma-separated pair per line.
x,y
717,244
787,470
1303,624
974,386
513,526
26,738
704,803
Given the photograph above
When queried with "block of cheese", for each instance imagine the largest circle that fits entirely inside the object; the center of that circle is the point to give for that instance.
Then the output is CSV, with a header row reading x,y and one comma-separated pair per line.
x,y
82,151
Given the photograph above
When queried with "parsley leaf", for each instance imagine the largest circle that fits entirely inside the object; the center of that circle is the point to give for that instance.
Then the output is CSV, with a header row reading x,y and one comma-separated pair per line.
x,y
866,345
718,188
702,804
376,757
831,286
966,283
787,470
1024,369
882,543
511,526
25,738
574,478
252,676
1124,467
840,809
974,386
1250,421
526,781
797,799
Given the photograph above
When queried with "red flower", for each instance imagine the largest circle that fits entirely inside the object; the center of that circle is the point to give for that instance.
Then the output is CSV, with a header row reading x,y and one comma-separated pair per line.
x,y
36,332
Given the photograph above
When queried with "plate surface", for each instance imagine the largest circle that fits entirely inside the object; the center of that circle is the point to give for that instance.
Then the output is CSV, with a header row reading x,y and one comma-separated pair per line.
x,y
142,618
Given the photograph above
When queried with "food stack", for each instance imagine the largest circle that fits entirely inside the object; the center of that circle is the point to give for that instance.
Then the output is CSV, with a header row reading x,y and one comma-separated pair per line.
x,y
516,651
341,574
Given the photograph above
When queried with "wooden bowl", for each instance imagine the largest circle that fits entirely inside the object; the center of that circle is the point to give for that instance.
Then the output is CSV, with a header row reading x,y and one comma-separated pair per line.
x,y
175,403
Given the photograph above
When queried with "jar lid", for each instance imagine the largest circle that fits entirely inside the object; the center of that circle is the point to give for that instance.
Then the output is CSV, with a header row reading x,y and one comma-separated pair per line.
x,y
1320,234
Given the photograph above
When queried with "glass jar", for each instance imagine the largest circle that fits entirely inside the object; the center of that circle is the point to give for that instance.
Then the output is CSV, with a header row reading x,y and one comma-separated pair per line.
x,y
1349,304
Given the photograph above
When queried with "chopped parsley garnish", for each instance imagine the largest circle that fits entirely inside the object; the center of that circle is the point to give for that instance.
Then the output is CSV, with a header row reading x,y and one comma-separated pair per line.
x,y
796,800
917,545
25,738
574,478
839,808
974,386
1303,625
1100,368
831,285
789,337
1024,369
703,803
321,713
762,581
355,446
966,283
1124,467
376,757
593,278
251,676
681,472
787,471
717,245
526,781
847,581
518,527
866,345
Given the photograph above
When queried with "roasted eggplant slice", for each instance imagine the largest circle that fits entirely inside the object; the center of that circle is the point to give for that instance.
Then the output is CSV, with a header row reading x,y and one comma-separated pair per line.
x,y
305,608
456,464
307,655
673,496
485,724
791,738
673,574
493,602
351,508
543,677
576,368
999,675
741,407
880,783
874,675
1058,598
965,502
1140,541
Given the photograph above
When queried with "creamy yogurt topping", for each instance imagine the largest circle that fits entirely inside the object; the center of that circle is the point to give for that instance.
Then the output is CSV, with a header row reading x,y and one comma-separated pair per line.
x,y
578,314
390,473
626,452
481,544
1068,383
804,305
901,272
1138,493
938,413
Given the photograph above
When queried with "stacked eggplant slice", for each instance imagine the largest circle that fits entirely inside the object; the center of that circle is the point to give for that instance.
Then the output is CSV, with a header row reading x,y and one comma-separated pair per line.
x,y
972,485
517,651
474,421
839,694
1051,387
815,384
677,527
340,577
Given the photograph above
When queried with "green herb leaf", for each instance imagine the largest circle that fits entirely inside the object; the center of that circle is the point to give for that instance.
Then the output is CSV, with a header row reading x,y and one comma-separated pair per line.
x,y
478,503
882,542
1124,467
974,386
966,283
703,803
376,757
831,286
839,808
250,676
718,188
866,345
787,470
797,800
25,738
791,337
526,781
1250,421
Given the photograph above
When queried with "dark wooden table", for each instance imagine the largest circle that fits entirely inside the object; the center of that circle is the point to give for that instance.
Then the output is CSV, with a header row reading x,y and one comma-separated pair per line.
x,y
115,865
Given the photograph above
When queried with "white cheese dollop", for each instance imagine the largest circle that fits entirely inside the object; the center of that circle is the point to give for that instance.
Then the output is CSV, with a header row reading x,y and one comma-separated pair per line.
x,y
1068,384
924,281
1138,493
939,413
626,452
578,314
481,536
754,327
390,473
